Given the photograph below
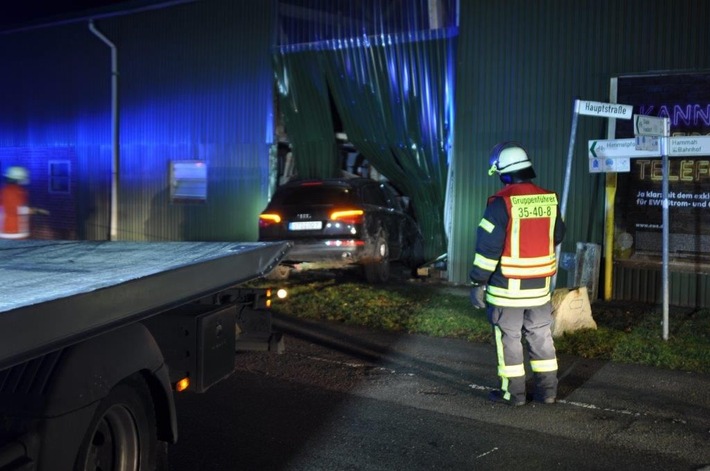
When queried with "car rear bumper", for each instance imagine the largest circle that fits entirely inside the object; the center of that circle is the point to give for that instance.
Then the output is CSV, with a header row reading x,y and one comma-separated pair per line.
x,y
333,252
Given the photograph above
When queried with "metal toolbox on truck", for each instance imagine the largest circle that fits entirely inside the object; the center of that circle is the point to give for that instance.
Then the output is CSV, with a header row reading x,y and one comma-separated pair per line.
x,y
197,341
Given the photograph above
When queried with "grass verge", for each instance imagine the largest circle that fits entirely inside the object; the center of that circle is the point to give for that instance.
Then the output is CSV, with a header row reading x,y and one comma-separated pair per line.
x,y
626,332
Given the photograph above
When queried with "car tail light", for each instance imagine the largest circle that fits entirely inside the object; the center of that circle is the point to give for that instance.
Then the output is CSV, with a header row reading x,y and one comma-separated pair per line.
x,y
345,243
269,219
348,216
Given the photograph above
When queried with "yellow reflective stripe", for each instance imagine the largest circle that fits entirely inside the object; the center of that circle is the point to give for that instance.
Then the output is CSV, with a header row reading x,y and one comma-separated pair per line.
x,y
511,371
528,272
505,371
515,298
551,234
487,264
499,345
515,237
504,383
516,292
486,225
513,286
525,302
529,261
543,366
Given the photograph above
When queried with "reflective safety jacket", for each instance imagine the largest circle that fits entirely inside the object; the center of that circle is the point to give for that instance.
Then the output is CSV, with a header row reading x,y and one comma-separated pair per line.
x,y
14,213
515,245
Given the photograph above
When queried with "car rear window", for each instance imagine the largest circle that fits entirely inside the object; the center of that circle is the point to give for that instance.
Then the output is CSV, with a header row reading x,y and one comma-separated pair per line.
x,y
312,195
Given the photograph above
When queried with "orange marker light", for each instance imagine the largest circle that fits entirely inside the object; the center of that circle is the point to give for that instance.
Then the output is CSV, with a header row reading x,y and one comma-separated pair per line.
x,y
182,385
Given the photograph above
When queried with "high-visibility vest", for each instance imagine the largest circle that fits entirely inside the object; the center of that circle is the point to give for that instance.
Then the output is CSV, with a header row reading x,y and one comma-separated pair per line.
x,y
14,213
529,250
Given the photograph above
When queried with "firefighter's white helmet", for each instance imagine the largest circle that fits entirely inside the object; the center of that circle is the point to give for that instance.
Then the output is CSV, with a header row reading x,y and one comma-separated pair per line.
x,y
511,162
18,174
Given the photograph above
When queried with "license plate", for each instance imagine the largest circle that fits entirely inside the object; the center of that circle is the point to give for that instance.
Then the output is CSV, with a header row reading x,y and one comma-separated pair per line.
x,y
305,226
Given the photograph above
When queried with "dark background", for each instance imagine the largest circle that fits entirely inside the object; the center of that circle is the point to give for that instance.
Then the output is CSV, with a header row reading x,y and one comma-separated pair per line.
x,y
18,15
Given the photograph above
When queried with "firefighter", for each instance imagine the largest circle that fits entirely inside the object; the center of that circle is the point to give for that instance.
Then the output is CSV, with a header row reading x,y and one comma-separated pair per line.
x,y
15,210
511,276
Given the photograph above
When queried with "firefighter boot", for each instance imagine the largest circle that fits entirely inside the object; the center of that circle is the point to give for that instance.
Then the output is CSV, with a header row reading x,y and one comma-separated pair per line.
x,y
505,398
512,391
546,387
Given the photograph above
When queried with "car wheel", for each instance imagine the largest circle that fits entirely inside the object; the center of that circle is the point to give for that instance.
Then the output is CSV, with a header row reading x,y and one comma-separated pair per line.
x,y
415,253
378,271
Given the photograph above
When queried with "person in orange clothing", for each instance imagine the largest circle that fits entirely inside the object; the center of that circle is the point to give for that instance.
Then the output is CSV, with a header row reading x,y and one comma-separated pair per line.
x,y
15,209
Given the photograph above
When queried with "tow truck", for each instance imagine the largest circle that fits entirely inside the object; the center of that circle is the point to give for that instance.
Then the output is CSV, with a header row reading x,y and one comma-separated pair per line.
x,y
96,337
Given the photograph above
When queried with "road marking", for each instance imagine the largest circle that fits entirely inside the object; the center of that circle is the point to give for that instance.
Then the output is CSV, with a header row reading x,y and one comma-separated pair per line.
x,y
605,409
573,403
487,453
344,363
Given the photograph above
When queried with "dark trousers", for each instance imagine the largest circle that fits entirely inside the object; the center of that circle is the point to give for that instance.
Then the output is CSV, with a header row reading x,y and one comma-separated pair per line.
x,y
510,324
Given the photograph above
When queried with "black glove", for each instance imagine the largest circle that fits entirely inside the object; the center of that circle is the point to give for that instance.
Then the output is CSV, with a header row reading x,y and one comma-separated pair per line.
x,y
478,296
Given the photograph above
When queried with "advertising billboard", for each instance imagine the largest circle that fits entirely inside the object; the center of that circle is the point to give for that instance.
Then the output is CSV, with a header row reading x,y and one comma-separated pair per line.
x,y
685,100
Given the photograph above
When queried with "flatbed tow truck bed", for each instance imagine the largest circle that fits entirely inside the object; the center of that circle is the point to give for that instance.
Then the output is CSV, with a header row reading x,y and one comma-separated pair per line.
x,y
53,293
97,337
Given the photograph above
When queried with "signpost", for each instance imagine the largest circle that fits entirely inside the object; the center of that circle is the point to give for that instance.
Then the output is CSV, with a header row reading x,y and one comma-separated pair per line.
x,y
652,138
587,108
660,127
689,146
604,110
609,164
651,126
612,155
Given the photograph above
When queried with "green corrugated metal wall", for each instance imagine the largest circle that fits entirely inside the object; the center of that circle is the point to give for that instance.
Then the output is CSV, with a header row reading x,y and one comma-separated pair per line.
x,y
521,65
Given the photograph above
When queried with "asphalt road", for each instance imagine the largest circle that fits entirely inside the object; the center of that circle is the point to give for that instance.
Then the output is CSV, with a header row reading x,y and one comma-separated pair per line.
x,y
347,398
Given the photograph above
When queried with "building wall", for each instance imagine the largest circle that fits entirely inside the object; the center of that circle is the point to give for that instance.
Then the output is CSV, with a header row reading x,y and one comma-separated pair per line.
x,y
521,65
195,83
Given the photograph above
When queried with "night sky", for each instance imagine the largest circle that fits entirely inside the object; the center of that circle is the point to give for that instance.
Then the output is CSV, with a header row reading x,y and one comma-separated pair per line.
x,y
33,12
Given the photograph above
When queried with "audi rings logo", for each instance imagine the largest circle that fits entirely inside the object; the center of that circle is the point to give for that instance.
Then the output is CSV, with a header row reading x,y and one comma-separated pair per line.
x,y
302,216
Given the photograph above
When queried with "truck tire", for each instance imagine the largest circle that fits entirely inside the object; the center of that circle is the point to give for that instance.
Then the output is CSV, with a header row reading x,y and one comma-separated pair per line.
x,y
122,435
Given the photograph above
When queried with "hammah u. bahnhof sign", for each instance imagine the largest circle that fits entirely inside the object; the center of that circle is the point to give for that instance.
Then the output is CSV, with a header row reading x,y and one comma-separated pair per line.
x,y
685,100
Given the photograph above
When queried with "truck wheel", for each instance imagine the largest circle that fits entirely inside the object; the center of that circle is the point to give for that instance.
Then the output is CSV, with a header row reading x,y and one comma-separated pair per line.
x,y
122,435
379,271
